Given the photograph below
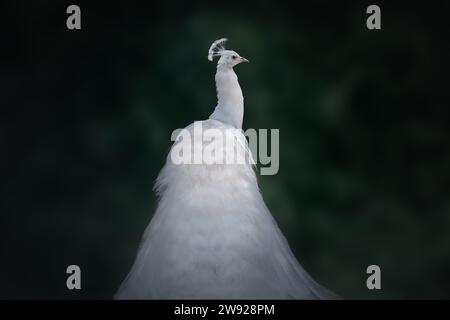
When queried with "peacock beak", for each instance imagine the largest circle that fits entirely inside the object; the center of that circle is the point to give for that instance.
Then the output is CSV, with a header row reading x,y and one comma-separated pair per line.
x,y
244,60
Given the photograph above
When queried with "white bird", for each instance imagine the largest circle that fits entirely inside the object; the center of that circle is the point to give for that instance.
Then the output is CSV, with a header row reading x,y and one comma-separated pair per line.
x,y
212,236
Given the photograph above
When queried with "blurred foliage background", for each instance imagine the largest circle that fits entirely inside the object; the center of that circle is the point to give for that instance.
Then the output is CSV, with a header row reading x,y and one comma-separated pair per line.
x,y
86,118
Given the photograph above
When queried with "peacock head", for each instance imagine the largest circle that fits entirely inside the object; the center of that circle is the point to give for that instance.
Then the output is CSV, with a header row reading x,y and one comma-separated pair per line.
x,y
228,58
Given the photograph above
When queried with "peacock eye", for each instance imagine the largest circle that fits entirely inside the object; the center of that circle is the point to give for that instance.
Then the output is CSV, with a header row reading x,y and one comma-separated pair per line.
x,y
234,57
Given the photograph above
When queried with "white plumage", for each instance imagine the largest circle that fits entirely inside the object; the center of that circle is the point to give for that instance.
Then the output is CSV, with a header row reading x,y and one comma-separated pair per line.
x,y
212,236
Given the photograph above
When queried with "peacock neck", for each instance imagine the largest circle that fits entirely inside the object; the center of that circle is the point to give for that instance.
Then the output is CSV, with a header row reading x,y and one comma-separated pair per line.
x,y
230,101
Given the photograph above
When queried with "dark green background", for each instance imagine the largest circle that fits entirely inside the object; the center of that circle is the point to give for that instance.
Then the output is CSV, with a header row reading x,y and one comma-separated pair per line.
x,y
86,118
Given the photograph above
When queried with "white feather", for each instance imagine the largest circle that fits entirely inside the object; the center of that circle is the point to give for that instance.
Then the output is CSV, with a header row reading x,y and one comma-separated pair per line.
x,y
216,47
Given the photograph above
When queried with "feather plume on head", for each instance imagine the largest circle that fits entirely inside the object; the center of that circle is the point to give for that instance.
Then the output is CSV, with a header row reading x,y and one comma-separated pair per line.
x,y
216,48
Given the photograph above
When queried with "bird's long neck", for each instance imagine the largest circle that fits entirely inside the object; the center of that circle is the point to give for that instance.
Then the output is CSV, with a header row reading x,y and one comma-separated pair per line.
x,y
230,102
